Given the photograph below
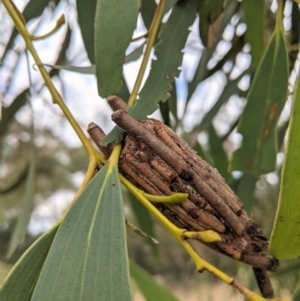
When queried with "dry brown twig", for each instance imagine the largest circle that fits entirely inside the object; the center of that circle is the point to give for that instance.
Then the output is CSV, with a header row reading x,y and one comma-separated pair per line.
x,y
159,162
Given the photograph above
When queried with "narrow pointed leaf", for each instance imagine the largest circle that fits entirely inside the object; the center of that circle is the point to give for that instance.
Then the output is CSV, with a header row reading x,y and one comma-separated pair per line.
x,y
114,25
84,70
255,27
143,216
20,231
86,19
151,290
230,89
88,257
145,221
169,57
265,101
218,154
202,72
245,191
285,238
135,54
209,12
147,11
21,280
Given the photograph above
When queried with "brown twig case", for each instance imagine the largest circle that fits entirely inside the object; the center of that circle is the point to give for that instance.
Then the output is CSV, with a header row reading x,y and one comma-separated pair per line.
x,y
159,162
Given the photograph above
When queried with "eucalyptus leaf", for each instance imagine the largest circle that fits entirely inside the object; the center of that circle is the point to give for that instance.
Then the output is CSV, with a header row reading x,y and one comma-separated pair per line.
x,y
209,12
151,290
230,89
218,154
285,242
9,112
88,257
86,19
147,11
255,27
145,221
169,57
265,101
20,231
84,70
135,54
21,280
114,25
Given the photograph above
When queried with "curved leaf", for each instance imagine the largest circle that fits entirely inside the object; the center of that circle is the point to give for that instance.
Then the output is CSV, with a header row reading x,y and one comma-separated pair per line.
x,y
255,27
86,19
22,278
88,257
266,99
218,154
151,290
209,11
285,238
114,25
164,68
145,221
20,231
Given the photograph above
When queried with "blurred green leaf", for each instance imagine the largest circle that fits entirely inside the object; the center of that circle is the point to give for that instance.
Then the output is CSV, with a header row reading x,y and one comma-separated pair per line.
x,y
33,9
255,27
84,70
230,89
296,296
164,68
172,101
203,153
124,93
285,238
20,231
202,72
209,11
164,110
9,112
151,290
115,22
245,191
265,101
218,154
20,282
86,10
135,54
144,219
147,11
88,257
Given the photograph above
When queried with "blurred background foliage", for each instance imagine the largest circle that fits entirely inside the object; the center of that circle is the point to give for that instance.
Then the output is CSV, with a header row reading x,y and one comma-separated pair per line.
x,y
42,163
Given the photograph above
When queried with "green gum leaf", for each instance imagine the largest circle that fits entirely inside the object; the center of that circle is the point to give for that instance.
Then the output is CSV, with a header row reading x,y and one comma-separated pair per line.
x,y
20,231
285,238
255,27
21,280
209,12
169,57
88,257
145,221
151,290
114,25
86,19
265,101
